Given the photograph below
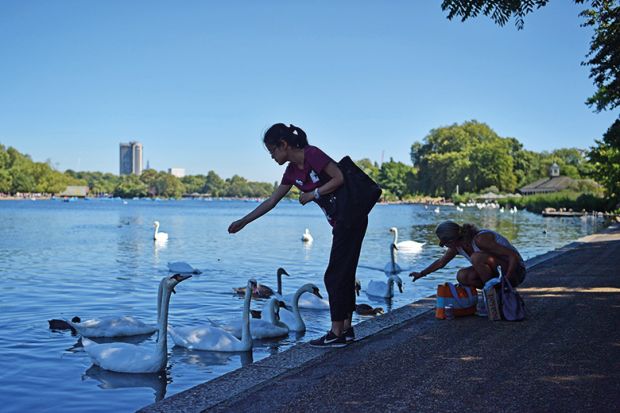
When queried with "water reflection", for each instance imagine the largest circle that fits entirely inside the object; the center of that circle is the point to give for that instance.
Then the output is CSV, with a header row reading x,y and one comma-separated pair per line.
x,y
207,359
113,380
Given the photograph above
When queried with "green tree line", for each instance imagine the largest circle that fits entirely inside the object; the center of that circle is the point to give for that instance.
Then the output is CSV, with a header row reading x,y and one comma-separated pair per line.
x,y
603,59
470,156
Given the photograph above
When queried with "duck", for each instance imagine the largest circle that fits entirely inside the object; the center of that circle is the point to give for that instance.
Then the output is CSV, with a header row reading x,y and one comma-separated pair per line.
x,y
56,324
181,267
293,319
383,289
268,326
131,358
263,291
405,246
213,338
365,309
159,236
306,236
392,267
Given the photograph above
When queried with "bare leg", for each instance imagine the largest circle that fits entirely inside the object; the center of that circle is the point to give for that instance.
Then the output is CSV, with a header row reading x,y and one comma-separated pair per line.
x,y
468,276
338,327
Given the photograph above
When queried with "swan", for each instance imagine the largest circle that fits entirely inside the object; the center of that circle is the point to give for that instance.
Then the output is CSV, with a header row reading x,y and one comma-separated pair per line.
x,y
306,236
159,236
113,326
406,246
312,302
262,291
268,326
130,358
392,267
180,267
383,289
293,318
437,210
212,338
365,309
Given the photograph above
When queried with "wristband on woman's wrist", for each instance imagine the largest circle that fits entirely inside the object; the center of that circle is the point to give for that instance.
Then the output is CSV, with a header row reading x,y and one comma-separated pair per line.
x,y
316,193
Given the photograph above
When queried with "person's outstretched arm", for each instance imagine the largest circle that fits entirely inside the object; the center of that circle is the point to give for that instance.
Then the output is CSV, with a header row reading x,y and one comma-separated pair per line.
x,y
265,206
437,264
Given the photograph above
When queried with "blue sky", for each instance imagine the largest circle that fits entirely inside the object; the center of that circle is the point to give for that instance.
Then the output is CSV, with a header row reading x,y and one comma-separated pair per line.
x,y
198,82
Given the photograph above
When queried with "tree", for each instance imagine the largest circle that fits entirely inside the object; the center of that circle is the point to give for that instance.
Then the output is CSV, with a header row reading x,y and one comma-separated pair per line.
x,y
604,55
393,177
606,159
470,155
214,185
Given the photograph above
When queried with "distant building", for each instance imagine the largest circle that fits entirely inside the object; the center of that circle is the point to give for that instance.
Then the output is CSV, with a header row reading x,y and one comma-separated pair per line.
x,y
178,172
131,158
554,183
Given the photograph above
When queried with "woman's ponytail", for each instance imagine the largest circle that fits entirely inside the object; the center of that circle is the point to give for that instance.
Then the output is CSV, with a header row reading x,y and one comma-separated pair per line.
x,y
293,135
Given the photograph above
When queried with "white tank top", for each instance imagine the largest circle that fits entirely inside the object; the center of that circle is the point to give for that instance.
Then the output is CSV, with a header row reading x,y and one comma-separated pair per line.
x,y
500,239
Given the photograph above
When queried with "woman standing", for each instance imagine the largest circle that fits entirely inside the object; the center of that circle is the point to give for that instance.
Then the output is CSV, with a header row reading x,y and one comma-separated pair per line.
x,y
318,178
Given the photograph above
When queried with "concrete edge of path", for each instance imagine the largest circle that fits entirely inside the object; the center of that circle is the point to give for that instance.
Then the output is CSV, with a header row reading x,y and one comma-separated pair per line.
x,y
230,385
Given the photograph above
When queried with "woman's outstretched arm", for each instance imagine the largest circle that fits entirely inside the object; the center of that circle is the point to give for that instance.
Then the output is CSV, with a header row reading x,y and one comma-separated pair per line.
x,y
265,206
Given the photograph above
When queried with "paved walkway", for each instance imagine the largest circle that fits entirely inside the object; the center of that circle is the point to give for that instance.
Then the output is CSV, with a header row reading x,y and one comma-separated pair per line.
x,y
564,357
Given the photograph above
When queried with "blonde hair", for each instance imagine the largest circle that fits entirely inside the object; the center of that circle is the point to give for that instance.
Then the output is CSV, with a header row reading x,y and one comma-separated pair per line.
x,y
450,230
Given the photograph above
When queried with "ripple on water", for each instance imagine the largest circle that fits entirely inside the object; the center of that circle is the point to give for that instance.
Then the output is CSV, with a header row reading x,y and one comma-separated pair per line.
x,y
97,258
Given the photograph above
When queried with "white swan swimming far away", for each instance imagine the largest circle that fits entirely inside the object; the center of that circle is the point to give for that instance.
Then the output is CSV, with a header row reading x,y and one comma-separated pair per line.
x,y
181,267
159,236
306,236
383,289
130,358
263,291
406,246
392,267
269,326
293,318
212,338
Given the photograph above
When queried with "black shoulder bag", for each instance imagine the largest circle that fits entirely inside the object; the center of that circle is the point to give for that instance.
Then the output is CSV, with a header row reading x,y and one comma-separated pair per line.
x,y
357,196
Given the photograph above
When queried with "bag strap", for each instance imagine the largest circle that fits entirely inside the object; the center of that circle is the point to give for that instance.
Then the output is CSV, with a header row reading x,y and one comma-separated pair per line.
x,y
455,294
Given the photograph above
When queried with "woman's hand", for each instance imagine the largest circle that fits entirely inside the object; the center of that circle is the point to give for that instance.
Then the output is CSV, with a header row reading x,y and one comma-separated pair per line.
x,y
416,275
306,197
237,226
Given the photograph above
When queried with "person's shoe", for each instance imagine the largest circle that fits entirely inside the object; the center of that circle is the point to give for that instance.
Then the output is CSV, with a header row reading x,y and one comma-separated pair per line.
x,y
329,340
349,334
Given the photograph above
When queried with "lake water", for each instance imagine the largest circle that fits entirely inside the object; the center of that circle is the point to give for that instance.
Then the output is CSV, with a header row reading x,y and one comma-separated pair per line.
x,y
97,257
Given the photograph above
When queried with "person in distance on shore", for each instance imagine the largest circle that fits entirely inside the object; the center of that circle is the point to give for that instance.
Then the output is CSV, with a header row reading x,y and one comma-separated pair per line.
x,y
486,250
318,177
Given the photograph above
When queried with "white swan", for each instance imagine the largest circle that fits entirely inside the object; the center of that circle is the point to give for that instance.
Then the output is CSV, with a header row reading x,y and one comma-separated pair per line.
x,y
392,267
293,318
269,326
181,267
405,246
115,326
306,236
213,338
159,236
263,291
112,326
130,358
383,289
